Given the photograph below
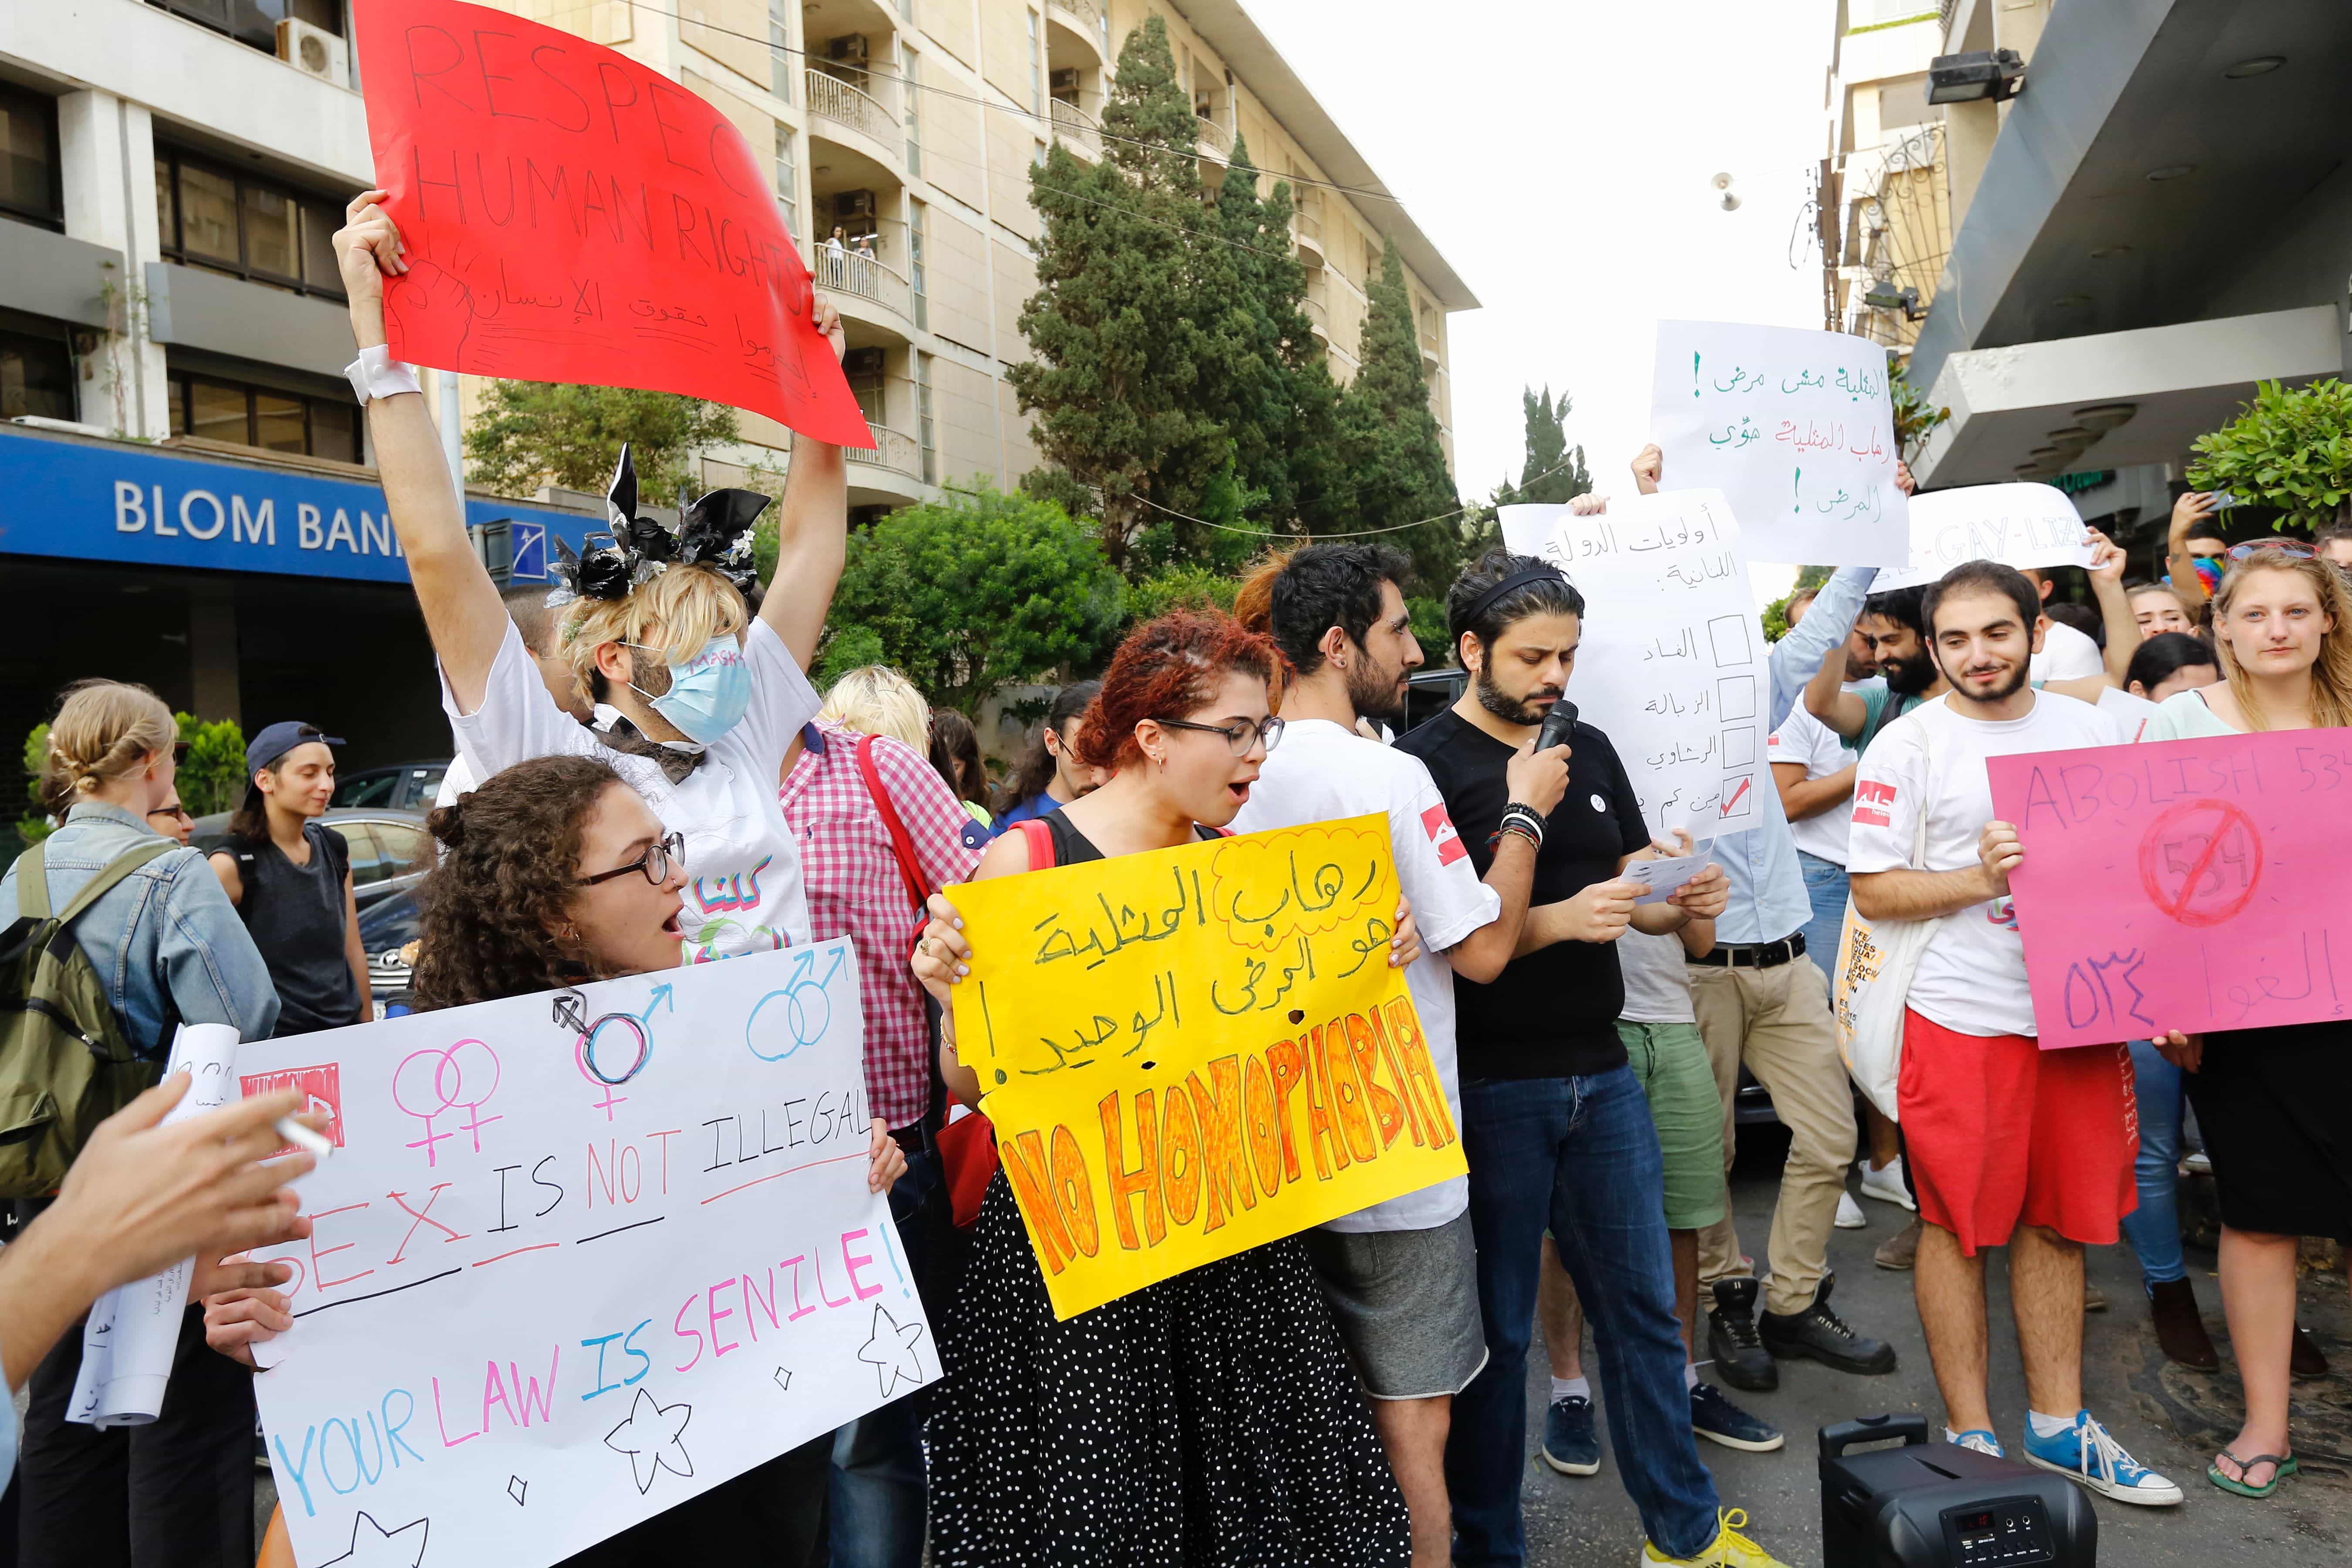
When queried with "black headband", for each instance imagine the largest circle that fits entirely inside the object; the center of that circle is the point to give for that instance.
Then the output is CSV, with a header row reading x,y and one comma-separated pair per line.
x,y
1511,584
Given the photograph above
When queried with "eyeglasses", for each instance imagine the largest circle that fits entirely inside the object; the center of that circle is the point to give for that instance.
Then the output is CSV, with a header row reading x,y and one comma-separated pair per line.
x,y
177,813
655,862
1241,735
2283,550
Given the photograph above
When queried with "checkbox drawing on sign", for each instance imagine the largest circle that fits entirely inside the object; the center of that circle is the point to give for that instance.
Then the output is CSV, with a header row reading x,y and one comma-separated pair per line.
x,y
1734,695
1739,746
1738,798
1729,637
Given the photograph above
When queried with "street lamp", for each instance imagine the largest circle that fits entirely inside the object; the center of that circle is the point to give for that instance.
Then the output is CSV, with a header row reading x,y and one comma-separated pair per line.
x,y
1975,77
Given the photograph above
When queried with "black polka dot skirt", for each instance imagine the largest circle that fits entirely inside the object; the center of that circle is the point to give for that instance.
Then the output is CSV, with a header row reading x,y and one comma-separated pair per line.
x,y
1210,1421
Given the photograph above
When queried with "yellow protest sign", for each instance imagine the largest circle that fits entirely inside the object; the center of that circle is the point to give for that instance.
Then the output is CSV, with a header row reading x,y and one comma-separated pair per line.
x,y
1191,1052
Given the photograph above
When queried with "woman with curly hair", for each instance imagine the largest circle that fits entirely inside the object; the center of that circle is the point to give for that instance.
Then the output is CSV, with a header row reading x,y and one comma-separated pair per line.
x,y
1209,1419
555,873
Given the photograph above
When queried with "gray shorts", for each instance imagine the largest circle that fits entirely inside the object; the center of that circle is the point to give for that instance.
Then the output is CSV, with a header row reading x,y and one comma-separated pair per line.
x,y
1407,1306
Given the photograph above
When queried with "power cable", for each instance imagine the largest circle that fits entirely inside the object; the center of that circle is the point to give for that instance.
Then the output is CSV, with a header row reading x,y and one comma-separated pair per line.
x,y
1317,538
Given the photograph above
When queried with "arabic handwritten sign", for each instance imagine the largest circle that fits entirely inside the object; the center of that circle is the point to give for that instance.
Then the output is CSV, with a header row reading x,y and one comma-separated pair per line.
x,y
1794,427
572,216
1192,1052
2187,885
1671,667
582,1257
2017,525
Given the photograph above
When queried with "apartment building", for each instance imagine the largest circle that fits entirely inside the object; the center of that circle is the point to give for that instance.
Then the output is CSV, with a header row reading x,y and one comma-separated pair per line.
x,y
172,327
2095,269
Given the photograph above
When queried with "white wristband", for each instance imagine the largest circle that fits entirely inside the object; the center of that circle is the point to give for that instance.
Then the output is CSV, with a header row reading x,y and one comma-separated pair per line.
x,y
375,374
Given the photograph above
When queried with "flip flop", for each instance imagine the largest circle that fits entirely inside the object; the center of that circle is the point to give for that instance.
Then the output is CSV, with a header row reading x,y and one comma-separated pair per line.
x,y
2282,1466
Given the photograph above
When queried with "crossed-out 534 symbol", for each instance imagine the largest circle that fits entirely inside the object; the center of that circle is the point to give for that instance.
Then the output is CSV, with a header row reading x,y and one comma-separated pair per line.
x,y
436,1080
2200,862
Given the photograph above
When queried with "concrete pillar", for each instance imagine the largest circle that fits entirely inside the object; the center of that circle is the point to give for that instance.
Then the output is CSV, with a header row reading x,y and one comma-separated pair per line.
x,y
212,650
107,150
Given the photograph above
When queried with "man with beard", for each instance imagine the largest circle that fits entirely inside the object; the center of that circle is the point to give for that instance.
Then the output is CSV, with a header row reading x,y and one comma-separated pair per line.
x,y
1554,1123
2009,1145
1890,626
1402,1276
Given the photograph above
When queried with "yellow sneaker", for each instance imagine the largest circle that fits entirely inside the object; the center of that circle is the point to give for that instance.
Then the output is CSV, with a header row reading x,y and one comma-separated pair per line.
x,y
1730,1549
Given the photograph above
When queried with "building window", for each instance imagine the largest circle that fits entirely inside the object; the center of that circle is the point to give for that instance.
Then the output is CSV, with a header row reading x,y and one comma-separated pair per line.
x,y
779,51
911,91
36,376
258,229
788,180
915,275
923,430
275,420
30,186
1038,157
1036,66
253,23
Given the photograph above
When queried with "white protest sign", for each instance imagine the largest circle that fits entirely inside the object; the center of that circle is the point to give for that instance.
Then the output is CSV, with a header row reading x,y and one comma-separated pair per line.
x,y
1671,662
2017,525
579,1256
1794,427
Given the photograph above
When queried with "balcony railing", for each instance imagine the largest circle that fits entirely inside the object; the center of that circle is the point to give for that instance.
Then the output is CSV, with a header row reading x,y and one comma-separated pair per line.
x,y
836,101
1086,13
897,453
1307,227
864,277
1318,314
1076,127
1429,343
1215,140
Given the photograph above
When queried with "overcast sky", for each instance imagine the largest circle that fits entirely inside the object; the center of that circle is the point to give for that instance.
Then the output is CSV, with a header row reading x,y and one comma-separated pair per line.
x,y
1558,153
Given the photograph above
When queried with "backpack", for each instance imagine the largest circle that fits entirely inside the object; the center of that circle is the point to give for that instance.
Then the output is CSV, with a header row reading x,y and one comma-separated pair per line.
x,y
65,1064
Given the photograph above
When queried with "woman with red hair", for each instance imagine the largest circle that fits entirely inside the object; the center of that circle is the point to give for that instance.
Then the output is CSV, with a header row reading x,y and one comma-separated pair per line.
x,y
1211,1418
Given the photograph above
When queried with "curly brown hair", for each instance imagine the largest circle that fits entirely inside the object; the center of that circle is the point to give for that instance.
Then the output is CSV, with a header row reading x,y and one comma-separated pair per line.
x,y
488,914
1165,669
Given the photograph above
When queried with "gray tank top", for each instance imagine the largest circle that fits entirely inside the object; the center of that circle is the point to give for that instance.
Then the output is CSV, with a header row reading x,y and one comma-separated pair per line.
x,y
295,915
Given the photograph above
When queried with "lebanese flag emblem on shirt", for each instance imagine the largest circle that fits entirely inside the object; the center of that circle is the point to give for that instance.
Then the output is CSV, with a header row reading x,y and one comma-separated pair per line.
x,y
1871,799
1440,829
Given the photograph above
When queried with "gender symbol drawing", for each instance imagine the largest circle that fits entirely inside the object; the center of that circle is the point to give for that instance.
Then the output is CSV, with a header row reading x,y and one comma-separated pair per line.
x,y
373,1546
651,1438
465,1074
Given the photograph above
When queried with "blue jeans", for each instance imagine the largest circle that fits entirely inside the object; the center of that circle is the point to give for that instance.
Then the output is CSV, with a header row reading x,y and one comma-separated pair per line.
x,y
1825,885
2154,1228
1580,1155
880,1498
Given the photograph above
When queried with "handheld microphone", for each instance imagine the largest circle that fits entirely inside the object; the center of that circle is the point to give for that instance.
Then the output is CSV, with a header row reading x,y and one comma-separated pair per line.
x,y
1557,725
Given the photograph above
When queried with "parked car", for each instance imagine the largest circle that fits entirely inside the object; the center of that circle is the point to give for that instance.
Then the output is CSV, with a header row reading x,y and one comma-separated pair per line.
x,y
405,786
386,930
390,849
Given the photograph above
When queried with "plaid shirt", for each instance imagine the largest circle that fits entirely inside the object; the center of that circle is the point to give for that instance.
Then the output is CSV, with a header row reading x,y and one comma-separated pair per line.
x,y
855,889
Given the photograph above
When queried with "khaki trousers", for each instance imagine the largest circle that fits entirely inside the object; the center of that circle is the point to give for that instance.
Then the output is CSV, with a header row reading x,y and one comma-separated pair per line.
x,y
1777,1020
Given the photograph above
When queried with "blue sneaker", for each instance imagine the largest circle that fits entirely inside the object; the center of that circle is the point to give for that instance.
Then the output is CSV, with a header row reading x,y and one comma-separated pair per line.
x,y
1981,1441
1718,1420
2084,1452
1570,1446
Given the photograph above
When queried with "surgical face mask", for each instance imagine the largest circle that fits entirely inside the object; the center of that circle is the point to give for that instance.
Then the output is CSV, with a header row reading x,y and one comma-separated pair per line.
x,y
708,693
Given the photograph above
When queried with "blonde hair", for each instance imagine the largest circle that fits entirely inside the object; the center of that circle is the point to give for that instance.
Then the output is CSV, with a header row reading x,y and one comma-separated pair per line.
x,y
878,701
2331,673
676,613
105,731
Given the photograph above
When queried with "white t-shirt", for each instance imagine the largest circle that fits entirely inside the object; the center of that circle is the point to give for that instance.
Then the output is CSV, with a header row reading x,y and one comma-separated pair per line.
x,y
2066,655
459,780
1971,979
1801,738
1321,772
1657,986
743,888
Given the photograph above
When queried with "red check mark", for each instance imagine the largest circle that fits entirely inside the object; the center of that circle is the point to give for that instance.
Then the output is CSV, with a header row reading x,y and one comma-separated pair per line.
x,y
1734,796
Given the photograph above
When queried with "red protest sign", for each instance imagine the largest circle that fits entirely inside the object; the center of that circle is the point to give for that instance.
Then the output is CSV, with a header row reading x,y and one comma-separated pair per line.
x,y
2187,885
572,216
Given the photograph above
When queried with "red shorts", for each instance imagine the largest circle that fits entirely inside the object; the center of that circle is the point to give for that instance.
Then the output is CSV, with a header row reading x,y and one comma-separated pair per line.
x,y
1998,1132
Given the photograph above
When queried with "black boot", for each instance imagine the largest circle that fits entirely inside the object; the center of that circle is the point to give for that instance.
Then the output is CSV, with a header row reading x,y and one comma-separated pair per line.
x,y
1821,1334
2179,1331
1740,1358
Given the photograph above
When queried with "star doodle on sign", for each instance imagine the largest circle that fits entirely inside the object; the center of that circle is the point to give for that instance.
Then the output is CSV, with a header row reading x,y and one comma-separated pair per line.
x,y
892,1352
373,1546
650,1437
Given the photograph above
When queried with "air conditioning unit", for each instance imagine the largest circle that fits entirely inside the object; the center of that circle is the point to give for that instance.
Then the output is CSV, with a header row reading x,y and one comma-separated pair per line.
x,y
848,51
853,204
313,51
1204,105
1066,80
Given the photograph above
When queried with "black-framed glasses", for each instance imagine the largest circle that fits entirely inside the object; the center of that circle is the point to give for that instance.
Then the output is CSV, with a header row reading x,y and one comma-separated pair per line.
x,y
1241,735
655,862
176,813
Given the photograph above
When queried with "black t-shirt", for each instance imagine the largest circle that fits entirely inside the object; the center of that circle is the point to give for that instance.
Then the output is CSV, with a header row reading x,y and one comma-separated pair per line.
x,y
295,914
1552,1013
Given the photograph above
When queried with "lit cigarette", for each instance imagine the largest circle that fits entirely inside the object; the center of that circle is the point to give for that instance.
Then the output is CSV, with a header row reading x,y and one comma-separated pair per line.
x,y
301,1137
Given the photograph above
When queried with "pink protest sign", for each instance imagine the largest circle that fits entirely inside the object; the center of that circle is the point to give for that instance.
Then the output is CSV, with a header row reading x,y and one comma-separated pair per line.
x,y
2187,885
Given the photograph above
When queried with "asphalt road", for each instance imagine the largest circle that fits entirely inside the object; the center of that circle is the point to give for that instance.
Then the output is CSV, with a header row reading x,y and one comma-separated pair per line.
x,y
2171,1420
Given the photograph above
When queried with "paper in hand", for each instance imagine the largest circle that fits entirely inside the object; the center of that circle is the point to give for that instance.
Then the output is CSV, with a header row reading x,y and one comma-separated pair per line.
x,y
1662,877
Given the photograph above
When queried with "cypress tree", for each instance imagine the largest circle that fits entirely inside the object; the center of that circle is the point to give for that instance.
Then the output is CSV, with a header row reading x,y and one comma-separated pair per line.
x,y
1396,461
1550,474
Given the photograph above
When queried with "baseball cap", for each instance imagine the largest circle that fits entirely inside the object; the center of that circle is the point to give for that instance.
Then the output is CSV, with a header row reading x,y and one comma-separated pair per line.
x,y
276,739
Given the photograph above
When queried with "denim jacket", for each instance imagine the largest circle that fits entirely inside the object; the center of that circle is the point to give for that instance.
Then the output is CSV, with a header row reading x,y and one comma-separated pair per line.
x,y
164,939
